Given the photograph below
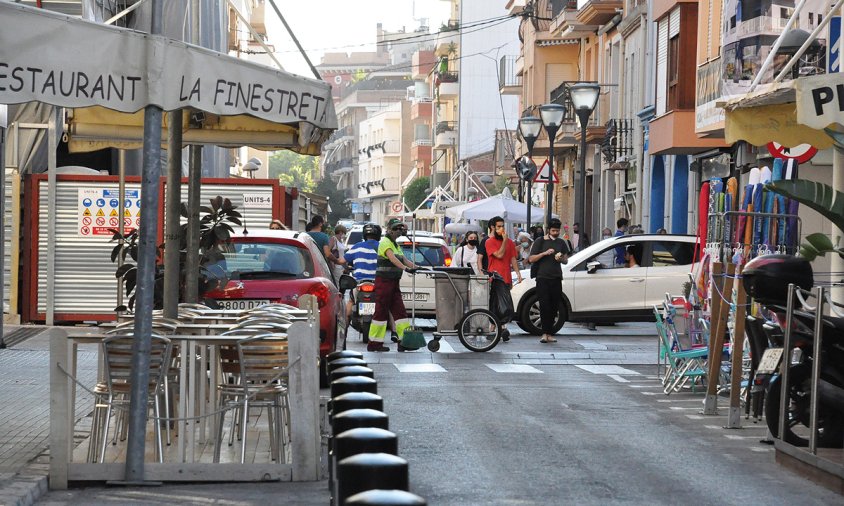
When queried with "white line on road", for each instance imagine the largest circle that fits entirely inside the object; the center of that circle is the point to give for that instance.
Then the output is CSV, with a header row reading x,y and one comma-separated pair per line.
x,y
735,436
757,449
695,417
649,393
591,345
618,378
445,347
645,386
514,368
419,368
680,408
608,369
680,400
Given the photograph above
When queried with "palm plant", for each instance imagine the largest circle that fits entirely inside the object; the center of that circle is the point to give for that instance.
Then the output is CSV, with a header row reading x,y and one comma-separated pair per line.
x,y
825,200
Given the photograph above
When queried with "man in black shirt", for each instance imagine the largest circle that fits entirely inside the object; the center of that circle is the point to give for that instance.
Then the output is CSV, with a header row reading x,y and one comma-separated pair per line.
x,y
548,252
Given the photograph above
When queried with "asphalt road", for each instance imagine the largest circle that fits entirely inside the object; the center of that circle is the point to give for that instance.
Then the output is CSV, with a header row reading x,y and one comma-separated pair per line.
x,y
582,421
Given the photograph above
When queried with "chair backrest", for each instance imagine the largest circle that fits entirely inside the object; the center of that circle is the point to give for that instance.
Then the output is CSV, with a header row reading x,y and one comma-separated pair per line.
x,y
263,359
268,325
117,351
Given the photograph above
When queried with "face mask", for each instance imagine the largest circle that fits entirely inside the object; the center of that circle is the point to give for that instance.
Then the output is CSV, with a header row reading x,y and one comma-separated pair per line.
x,y
525,245
606,236
473,242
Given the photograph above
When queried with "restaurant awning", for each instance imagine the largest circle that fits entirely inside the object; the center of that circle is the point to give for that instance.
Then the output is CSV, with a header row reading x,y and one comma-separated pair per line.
x,y
791,113
108,74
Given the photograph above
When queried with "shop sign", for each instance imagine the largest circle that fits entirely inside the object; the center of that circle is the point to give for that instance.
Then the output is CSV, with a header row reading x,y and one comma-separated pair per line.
x,y
820,100
801,152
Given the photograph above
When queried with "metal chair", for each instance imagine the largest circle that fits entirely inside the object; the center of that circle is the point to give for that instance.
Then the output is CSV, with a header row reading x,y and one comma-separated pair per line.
x,y
117,352
255,374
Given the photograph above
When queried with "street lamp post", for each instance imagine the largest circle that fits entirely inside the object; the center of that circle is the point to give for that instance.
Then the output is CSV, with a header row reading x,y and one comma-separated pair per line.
x,y
552,118
584,98
529,127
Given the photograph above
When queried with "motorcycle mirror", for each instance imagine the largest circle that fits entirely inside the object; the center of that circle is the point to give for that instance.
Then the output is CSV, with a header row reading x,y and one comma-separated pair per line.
x,y
347,283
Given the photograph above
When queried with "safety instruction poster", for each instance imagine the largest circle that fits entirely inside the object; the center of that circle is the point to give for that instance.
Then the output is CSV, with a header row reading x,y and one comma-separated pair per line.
x,y
99,211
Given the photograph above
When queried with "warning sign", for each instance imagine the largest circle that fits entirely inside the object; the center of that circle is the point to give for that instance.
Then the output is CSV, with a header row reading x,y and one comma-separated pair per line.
x,y
99,211
545,174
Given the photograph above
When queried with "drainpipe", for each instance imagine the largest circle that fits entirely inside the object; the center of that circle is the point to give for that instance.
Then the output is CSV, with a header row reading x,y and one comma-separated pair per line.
x,y
646,69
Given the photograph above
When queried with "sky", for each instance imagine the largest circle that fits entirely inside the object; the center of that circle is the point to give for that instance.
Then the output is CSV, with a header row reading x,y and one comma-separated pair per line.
x,y
343,26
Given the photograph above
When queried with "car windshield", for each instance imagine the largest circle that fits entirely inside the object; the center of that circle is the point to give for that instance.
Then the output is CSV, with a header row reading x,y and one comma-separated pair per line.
x,y
258,260
355,236
425,256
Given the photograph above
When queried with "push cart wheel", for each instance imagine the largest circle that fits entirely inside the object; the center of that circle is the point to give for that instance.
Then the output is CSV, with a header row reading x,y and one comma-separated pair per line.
x,y
434,345
479,330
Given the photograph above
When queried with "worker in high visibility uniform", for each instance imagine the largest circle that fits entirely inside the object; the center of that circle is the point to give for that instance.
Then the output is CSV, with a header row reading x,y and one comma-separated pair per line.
x,y
390,267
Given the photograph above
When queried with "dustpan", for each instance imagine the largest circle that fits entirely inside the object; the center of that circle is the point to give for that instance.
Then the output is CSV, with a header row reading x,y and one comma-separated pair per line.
x,y
413,339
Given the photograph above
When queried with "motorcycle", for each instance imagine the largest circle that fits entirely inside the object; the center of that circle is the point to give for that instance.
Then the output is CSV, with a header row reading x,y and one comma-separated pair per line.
x,y
363,307
766,279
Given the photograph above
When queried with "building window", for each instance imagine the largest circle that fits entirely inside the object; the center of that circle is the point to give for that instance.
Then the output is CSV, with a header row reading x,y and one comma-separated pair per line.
x,y
673,72
811,19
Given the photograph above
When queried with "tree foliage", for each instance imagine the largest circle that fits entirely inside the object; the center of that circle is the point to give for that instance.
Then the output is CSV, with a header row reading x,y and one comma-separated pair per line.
x,y
294,170
340,209
416,192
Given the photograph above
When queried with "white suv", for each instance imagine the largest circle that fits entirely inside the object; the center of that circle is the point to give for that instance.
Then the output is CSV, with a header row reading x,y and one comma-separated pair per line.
x,y
430,251
594,292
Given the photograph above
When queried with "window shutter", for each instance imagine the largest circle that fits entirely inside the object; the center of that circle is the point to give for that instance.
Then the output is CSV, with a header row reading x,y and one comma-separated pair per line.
x,y
661,65
555,74
674,22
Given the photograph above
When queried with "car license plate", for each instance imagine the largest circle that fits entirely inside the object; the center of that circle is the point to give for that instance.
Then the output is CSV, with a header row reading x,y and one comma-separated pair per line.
x,y
421,297
242,304
366,308
770,361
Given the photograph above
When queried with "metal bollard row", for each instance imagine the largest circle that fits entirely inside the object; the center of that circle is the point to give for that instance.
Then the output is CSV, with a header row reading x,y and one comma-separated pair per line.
x,y
363,462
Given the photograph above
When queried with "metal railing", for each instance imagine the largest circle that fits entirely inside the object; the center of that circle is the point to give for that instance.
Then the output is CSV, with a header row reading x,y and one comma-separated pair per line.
x,y
507,72
618,141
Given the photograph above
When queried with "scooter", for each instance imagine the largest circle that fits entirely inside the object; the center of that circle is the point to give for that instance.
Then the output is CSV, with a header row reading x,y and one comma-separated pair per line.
x,y
363,307
766,279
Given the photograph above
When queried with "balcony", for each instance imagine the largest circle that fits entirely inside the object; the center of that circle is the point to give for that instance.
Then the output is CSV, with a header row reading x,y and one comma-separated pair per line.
x,y
448,39
339,136
420,110
674,133
446,134
257,18
446,83
379,187
598,12
509,83
618,140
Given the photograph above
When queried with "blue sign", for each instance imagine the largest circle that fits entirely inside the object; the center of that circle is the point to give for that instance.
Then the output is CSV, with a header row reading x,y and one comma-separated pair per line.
x,y
86,202
127,204
114,202
833,60
100,203
131,194
138,203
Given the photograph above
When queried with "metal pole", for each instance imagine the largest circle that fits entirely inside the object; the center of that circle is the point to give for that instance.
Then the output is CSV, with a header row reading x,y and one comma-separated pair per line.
x,y
194,182
529,187
580,212
785,362
549,189
816,372
172,215
121,189
2,220
52,146
150,184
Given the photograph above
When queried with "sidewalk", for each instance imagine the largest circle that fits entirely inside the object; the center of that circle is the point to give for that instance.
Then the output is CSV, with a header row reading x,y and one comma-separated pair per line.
x,y
25,411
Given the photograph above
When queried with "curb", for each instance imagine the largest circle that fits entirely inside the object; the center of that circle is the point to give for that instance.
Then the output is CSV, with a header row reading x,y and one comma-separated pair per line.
x,y
23,490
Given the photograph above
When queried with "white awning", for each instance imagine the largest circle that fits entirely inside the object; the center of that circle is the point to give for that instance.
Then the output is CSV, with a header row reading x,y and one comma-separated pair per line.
x,y
69,62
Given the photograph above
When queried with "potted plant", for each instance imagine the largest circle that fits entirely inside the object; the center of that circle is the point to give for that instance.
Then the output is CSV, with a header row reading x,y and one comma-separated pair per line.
x,y
825,200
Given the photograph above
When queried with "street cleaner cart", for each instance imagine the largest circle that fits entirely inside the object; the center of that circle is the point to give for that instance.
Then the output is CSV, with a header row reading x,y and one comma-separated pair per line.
x,y
462,308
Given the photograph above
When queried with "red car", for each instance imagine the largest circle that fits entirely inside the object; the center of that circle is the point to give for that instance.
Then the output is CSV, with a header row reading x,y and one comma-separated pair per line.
x,y
280,266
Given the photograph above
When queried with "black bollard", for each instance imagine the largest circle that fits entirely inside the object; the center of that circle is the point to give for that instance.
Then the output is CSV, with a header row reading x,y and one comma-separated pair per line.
x,y
342,362
352,370
369,471
353,384
354,418
357,400
386,498
360,440
334,355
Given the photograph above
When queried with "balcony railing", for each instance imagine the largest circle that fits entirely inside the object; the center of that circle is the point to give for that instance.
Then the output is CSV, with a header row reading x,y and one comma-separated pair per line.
x,y
618,141
445,77
507,72
445,126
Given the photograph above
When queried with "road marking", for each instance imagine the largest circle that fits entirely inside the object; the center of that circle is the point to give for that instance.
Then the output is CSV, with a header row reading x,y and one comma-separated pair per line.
x,y
608,369
445,347
649,393
695,417
679,400
591,345
618,378
756,449
419,368
514,368
734,436
645,386
680,408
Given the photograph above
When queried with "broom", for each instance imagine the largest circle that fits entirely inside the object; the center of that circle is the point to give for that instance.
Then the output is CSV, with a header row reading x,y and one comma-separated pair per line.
x,y
413,339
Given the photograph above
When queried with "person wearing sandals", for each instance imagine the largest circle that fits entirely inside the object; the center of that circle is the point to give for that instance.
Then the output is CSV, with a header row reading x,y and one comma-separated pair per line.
x,y
548,252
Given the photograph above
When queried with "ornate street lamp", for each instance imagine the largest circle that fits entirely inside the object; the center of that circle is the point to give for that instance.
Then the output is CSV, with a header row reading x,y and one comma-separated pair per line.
x,y
529,128
584,98
552,118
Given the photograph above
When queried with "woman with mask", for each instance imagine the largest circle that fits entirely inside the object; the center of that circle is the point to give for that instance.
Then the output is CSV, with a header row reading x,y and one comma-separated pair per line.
x,y
466,254
607,258
337,246
523,243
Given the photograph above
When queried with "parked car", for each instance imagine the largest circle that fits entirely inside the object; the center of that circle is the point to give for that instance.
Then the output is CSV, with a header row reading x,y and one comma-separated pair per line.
x,y
595,292
430,251
280,266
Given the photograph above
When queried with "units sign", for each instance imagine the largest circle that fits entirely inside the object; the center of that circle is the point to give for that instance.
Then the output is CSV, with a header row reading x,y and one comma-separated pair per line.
x,y
98,212
258,200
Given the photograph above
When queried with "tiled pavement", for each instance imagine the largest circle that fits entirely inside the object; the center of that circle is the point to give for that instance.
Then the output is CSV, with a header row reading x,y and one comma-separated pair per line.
x,y
25,415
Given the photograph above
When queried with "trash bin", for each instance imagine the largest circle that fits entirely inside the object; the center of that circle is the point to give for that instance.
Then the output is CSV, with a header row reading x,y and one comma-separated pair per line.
x,y
449,310
478,292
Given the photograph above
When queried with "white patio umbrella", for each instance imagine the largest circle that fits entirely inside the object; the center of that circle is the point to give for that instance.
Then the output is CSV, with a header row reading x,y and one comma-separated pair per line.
x,y
498,205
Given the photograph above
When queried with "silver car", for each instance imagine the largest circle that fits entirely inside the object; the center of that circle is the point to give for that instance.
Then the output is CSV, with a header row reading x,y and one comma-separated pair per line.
x,y
429,251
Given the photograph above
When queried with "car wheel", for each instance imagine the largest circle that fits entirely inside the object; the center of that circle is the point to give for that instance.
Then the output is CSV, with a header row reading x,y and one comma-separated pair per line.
x,y
529,320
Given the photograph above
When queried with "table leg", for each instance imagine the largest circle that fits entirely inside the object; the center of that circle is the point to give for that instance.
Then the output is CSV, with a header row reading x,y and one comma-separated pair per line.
x,y
214,379
191,399
183,400
203,406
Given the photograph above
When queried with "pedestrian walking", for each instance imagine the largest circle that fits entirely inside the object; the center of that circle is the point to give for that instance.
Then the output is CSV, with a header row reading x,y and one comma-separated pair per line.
x,y
501,252
466,255
337,247
621,229
524,242
391,264
580,240
548,253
